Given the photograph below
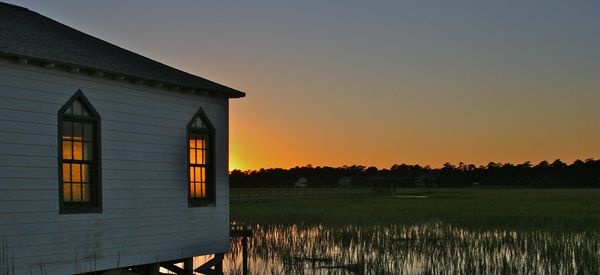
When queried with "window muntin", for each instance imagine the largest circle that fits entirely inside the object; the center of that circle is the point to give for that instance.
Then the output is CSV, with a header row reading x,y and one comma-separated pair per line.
x,y
79,148
200,160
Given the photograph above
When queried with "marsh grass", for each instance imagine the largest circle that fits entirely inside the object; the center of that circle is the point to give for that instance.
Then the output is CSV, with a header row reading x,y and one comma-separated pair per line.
x,y
432,248
557,209
456,231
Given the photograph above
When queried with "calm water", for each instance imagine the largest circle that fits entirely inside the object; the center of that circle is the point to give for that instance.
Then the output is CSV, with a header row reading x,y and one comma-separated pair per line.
x,y
420,249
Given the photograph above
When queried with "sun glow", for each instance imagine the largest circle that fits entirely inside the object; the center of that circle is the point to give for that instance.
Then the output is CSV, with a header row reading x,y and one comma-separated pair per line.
x,y
235,163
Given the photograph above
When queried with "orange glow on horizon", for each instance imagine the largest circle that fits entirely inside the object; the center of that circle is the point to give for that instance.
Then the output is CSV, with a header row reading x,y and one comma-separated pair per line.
x,y
278,145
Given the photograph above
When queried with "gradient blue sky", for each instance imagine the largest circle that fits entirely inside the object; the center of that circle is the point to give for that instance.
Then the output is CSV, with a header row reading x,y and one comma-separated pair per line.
x,y
378,82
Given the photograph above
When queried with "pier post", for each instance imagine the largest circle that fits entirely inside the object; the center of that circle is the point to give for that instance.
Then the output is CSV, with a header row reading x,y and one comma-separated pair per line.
x,y
219,263
188,266
245,255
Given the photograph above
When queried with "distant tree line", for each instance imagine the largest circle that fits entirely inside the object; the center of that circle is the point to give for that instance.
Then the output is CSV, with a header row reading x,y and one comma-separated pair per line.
x,y
543,175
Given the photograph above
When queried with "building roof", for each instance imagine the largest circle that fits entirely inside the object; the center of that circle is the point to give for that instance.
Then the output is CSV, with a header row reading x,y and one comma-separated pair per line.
x,y
27,34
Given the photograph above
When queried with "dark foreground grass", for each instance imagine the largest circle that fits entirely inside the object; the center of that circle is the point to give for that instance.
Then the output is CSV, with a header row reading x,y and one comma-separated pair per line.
x,y
537,209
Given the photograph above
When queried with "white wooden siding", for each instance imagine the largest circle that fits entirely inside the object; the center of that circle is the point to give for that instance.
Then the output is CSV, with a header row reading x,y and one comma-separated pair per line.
x,y
145,216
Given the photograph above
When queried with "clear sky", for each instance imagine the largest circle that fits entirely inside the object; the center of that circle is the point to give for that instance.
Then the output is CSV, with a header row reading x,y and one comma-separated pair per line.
x,y
377,82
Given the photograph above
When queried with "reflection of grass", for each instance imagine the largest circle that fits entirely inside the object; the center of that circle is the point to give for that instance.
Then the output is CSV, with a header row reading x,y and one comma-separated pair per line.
x,y
454,231
431,248
559,209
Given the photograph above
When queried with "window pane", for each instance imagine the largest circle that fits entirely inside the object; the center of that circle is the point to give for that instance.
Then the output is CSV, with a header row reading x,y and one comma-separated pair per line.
x,y
199,123
85,192
193,156
203,174
85,112
88,151
198,156
198,191
198,172
69,110
77,108
67,129
67,150
88,132
76,173
192,143
192,192
76,192
85,173
192,177
77,130
67,192
66,172
77,150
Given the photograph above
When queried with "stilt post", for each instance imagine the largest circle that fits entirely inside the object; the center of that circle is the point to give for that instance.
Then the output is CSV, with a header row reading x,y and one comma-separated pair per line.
x,y
188,266
245,255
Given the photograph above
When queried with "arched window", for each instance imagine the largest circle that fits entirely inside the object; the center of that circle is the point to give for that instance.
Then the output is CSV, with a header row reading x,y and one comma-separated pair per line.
x,y
201,160
79,156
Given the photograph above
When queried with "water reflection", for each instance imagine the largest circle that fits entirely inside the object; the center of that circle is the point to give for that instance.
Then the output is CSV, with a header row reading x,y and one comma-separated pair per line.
x,y
420,249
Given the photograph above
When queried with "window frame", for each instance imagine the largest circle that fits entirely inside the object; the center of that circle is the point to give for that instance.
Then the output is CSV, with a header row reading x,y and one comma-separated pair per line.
x,y
210,180
95,203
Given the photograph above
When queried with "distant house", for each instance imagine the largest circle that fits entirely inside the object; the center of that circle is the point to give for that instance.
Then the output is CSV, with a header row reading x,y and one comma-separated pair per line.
x,y
301,183
345,182
107,158
425,180
384,182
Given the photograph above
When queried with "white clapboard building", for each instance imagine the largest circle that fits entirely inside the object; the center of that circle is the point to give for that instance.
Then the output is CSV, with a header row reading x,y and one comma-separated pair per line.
x,y
108,159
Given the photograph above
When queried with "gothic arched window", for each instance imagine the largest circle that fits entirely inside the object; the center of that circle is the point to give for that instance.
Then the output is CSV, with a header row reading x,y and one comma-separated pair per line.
x,y
79,156
201,134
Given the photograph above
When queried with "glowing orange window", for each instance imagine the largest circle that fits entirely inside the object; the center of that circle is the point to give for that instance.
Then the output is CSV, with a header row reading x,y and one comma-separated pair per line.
x,y
200,152
79,147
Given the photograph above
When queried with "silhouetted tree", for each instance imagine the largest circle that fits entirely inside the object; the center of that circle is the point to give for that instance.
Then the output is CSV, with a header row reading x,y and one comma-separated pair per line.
x,y
558,174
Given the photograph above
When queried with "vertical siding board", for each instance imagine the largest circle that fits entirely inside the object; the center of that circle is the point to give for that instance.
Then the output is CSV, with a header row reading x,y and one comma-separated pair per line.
x,y
144,176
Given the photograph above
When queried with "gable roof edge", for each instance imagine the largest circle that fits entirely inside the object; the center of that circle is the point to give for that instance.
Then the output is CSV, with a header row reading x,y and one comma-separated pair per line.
x,y
118,76
24,32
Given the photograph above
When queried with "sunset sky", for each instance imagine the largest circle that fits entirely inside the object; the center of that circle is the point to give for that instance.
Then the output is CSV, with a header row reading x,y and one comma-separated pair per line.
x,y
333,83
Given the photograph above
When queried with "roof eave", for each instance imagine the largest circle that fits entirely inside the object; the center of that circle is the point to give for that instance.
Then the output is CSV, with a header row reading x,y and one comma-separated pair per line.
x,y
226,92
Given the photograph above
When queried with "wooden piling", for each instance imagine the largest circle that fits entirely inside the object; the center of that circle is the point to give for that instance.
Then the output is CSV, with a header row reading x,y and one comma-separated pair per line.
x,y
188,266
245,255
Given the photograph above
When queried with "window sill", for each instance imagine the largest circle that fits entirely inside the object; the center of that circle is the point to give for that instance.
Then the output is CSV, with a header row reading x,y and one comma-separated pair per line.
x,y
80,210
201,203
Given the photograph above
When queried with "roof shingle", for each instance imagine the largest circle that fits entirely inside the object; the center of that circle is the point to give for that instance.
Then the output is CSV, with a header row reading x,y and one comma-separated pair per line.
x,y
25,33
